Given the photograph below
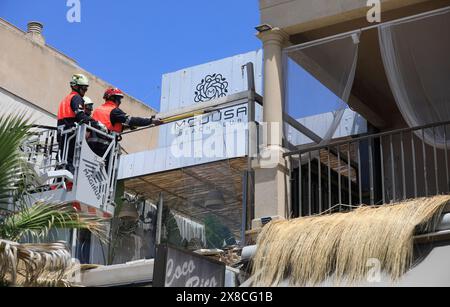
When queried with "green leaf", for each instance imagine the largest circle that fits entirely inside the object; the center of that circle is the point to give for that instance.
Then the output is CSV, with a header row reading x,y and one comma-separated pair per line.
x,y
38,220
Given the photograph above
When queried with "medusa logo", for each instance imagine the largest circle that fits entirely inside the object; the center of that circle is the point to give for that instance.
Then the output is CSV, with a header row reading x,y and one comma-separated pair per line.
x,y
212,87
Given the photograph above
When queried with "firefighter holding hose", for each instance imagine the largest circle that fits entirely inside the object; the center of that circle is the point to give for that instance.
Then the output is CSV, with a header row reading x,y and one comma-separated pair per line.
x,y
116,120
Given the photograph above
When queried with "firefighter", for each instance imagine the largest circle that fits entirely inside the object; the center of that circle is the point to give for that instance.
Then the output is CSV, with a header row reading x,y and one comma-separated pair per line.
x,y
88,106
71,111
89,109
115,120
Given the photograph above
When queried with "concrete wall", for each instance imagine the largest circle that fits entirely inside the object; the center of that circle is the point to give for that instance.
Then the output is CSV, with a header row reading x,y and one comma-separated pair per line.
x,y
295,16
40,75
10,103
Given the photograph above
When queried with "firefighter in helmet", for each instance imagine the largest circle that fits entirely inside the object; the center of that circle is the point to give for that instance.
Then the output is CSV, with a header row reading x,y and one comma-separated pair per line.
x,y
72,111
116,120
88,106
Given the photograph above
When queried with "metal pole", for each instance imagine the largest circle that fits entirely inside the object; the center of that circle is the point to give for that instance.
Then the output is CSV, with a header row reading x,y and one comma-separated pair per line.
x,y
252,149
244,207
252,128
74,243
446,159
251,111
200,109
383,187
159,219
403,165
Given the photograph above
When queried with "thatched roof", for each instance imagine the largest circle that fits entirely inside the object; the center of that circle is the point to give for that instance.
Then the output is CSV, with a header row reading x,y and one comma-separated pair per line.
x,y
308,251
185,190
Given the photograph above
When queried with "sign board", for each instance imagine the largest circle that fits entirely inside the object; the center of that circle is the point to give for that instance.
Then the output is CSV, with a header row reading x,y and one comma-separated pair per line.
x,y
220,135
177,268
204,83
209,81
92,180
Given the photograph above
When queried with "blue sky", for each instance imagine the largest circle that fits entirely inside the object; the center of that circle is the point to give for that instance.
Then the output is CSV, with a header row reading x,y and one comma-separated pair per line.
x,y
132,43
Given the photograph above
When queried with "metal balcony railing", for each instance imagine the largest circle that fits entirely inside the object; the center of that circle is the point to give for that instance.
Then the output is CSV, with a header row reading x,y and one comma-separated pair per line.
x,y
372,169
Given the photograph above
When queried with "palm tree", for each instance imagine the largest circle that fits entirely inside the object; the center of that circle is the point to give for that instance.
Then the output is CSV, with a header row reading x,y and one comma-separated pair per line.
x,y
32,264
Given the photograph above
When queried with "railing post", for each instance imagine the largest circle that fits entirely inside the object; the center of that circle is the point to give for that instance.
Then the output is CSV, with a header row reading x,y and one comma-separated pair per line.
x,y
402,148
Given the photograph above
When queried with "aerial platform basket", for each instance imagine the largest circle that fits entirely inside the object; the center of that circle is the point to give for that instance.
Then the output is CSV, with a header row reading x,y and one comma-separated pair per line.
x,y
91,185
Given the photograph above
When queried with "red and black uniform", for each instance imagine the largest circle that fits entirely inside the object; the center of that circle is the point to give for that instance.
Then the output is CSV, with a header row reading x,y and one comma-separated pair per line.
x,y
105,115
110,115
71,111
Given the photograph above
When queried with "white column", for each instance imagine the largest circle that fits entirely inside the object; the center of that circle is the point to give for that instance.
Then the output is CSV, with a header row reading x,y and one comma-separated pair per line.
x,y
272,191
273,42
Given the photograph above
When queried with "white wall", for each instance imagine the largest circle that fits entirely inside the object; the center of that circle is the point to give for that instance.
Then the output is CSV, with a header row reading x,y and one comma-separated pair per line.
x,y
351,124
11,104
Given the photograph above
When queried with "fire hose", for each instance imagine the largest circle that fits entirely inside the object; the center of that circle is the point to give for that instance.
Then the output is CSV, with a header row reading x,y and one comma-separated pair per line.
x,y
171,119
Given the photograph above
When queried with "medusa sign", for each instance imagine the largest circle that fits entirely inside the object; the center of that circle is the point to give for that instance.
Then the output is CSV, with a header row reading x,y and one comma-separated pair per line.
x,y
74,12
211,87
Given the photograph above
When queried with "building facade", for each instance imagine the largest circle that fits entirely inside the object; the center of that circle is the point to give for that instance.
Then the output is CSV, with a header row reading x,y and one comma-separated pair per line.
x,y
352,56
34,78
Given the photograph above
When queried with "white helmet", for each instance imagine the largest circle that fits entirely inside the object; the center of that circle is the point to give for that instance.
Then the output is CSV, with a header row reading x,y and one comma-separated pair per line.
x,y
79,79
88,101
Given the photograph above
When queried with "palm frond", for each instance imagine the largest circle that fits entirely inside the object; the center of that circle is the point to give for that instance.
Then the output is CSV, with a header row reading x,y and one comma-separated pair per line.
x,y
38,220
13,169
26,264
36,265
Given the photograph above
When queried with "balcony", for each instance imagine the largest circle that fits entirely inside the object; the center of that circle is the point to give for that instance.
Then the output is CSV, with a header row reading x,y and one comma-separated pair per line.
x,y
372,169
387,75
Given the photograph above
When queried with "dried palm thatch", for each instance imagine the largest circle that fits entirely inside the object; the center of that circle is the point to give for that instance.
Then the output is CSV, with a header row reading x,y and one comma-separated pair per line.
x,y
308,251
35,265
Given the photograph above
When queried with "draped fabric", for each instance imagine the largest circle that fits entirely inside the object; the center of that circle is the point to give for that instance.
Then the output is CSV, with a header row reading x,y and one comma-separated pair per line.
x,y
190,229
319,79
416,55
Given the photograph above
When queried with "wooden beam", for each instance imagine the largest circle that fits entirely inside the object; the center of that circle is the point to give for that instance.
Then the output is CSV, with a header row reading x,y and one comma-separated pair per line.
x,y
163,189
366,111
208,183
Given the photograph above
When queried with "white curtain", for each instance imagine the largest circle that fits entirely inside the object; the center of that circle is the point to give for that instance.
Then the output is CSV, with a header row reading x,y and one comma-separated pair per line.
x,y
190,229
346,91
318,80
416,55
